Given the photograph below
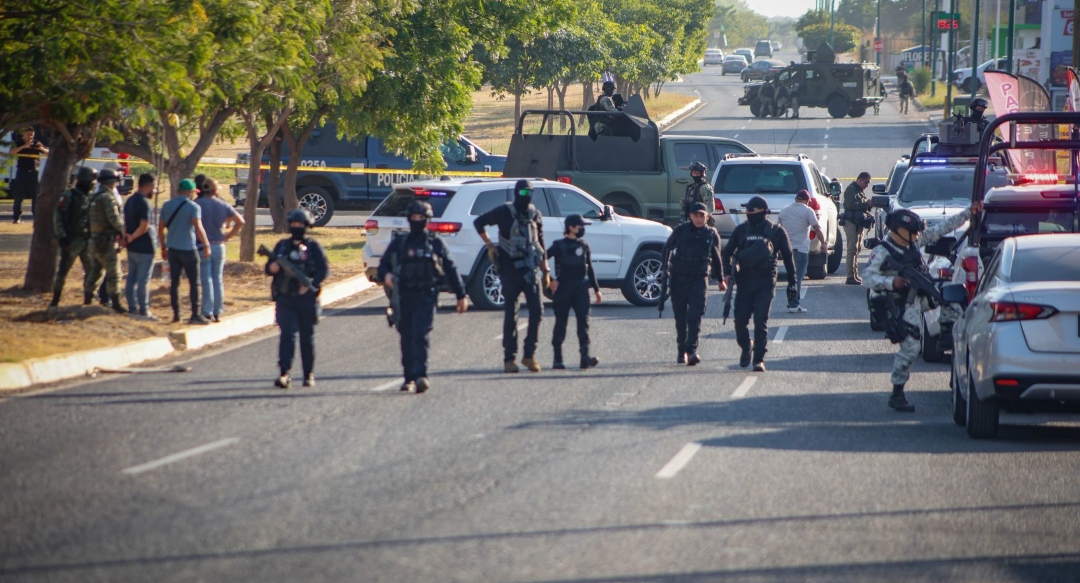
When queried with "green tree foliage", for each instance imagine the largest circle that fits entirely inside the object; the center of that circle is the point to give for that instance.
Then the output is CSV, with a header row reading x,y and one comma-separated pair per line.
x,y
846,37
741,26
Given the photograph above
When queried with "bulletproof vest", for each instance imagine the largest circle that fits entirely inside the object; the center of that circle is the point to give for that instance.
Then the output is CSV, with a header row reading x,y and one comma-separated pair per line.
x,y
756,256
570,256
693,194
420,268
524,238
691,258
74,214
97,215
300,256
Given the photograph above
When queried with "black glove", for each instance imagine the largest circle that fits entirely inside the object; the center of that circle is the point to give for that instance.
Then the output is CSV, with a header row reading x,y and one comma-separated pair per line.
x,y
65,242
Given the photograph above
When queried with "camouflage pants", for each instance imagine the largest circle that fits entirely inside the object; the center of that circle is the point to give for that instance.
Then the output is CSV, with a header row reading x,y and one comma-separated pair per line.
x,y
78,249
903,104
104,252
794,107
909,348
766,106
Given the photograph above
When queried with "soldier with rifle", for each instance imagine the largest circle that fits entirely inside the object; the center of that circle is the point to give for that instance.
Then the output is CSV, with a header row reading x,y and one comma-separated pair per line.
x,y
298,265
699,190
416,264
689,252
896,271
72,229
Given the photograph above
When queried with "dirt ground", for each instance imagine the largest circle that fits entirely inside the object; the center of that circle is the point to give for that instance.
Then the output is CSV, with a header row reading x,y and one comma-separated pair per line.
x,y
27,330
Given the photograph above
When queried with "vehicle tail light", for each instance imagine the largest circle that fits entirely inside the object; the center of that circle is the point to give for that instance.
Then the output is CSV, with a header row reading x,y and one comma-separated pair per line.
x,y
1015,312
1007,383
719,207
971,275
125,166
443,227
371,226
944,273
564,179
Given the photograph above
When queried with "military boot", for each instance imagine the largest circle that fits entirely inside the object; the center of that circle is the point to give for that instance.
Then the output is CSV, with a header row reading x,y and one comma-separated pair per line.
x,y
87,299
116,306
531,363
898,402
693,359
744,358
510,366
558,363
586,360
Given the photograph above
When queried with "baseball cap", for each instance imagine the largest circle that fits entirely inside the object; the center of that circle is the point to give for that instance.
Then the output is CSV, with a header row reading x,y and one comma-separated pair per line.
x,y
802,195
697,207
186,184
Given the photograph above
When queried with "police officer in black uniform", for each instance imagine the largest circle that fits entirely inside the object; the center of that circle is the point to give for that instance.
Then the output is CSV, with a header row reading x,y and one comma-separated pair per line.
x,y
753,247
519,257
417,264
297,307
975,113
688,253
573,278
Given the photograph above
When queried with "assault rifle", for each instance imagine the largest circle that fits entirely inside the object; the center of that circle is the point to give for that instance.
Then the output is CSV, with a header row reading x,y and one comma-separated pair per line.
x,y
727,300
664,281
289,268
917,280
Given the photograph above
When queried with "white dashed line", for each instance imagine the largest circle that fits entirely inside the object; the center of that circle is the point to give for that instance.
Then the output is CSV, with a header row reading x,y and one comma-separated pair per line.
x,y
802,292
179,456
826,136
679,461
780,333
824,157
744,388
387,386
735,136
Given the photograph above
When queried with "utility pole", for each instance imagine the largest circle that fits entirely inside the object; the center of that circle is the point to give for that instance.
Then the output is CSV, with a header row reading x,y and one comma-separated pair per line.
x,y
950,40
1012,31
934,48
877,34
832,9
923,45
976,39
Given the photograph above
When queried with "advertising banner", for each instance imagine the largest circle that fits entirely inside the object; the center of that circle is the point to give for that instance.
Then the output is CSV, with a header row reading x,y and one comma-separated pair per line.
x,y
1011,94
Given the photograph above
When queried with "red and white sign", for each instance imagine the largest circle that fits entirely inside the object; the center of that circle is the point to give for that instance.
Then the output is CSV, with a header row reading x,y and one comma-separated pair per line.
x,y
878,45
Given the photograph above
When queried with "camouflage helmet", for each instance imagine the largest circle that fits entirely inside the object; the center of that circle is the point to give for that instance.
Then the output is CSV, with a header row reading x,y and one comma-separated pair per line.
x,y
300,215
107,175
978,102
84,174
698,167
906,219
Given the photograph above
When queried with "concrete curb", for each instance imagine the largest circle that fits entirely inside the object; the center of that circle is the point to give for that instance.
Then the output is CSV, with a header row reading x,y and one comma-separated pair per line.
x,y
49,369
679,113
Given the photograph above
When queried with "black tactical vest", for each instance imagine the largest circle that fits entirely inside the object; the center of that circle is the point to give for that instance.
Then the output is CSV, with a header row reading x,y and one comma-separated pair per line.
x,y
691,258
420,266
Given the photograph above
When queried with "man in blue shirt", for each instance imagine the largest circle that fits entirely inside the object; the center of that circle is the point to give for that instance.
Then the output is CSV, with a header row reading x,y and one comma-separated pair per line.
x,y
217,215
180,223
140,248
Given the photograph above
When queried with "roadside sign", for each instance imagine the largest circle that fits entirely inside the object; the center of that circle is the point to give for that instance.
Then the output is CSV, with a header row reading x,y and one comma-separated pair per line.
x,y
879,45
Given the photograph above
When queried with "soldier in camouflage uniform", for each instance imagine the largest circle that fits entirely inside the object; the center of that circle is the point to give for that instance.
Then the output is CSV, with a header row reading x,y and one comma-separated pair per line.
x,y
106,226
698,191
907,233
72,231
767,94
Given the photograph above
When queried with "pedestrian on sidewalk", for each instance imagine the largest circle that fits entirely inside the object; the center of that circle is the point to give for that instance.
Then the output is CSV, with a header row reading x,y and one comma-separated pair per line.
x,y
140,248
25,185
296,306
906,91
217,217
180,224
798,219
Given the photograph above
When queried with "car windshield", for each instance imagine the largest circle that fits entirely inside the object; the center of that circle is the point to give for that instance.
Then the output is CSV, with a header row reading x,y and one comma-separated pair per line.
x,y
927,187
1046,264
397,203
760,178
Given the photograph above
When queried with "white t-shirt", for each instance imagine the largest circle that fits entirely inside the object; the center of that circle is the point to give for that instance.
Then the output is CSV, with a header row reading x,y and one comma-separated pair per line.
x,y
797,219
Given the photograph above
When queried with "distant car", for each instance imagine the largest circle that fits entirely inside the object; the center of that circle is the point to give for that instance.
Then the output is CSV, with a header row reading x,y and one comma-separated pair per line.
x,y
962,76
762,69
734,64
1017,345
763,48
776,47
713,57
748,53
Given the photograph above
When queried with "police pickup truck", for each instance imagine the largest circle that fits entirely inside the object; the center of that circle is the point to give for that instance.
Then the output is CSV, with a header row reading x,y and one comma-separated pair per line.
x,y
634,169
321,191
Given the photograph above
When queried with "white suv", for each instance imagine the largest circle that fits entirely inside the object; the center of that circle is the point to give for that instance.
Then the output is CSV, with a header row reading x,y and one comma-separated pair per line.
x,y
625,250
777,178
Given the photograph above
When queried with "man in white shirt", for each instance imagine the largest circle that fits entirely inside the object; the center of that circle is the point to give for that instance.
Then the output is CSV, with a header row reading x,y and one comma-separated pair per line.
x,y
797,219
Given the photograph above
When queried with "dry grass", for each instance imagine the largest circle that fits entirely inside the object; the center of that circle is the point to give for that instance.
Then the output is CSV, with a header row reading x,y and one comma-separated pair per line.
x,y
27,331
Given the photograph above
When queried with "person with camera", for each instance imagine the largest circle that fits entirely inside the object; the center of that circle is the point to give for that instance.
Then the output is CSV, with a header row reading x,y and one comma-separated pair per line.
x,y
857,219
25,185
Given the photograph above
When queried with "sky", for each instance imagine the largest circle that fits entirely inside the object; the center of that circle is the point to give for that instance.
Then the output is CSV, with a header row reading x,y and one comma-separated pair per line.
x,y
769,8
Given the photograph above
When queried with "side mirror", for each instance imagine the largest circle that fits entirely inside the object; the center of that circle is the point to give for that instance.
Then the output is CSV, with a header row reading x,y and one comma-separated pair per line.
x,y
871,242
905,157
471,155
954,293
609,213
943,247
880,189
834,189
880,201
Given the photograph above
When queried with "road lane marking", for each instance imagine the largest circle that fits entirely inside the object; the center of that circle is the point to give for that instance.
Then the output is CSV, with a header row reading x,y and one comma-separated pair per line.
x,y
678,462
824,157
179,456
780,333
802,293
387,386
521,327
826,136
744,388
735,136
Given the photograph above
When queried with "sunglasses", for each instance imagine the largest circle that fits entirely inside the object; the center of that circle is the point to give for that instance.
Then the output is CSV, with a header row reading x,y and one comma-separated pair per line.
x,y
524,192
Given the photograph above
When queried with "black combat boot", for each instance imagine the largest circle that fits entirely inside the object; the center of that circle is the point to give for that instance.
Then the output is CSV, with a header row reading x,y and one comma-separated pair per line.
x,y
586,360
898,402
744,358
116,306
557,364
87,299
682,357
692,359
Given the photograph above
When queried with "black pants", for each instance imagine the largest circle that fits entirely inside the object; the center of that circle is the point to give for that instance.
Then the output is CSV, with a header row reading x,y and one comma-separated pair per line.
x,y
513,285
415,322
571,295
296,314
753,297
688,303
25,186
188,263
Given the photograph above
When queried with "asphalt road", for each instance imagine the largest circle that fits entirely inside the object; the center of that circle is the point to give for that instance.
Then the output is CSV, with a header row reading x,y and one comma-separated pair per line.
x,y
638,470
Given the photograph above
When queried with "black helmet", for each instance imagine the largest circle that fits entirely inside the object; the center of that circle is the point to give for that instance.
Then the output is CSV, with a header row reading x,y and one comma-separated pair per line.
x,y
978,102
574,221
756,203
419,207
299,215
608,85
84,174
107,175
698,167
521,185
906,219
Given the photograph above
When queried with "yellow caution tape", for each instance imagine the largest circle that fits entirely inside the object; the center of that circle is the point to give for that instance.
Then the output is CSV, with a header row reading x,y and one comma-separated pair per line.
x,y
324,168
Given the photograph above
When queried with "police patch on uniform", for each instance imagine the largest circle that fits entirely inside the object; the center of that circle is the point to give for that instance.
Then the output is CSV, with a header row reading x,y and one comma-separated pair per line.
x,y
410,253
579,251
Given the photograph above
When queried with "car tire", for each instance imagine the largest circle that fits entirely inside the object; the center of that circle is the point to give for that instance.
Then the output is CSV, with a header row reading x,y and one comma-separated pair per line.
x,y
836,254
642,284
959,404
318,202
857,111
982,416
722,72
966,85
755,108
816,272
838,106
485,287
875,324
931,352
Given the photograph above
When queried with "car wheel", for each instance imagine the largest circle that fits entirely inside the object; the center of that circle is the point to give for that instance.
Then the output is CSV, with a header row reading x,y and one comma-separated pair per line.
x,y
982,416
966,85
836,254
931,352
857,111
642,284
723,72
959,405
485,287
838,107
318,202
875,324
755,108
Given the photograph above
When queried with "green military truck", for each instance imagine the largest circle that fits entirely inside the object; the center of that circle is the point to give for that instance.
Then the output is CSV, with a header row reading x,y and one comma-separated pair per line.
x,y
631,167
842,88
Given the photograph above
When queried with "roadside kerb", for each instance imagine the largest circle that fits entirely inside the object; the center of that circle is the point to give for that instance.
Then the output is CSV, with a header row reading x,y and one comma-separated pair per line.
x,y
679,113
49,369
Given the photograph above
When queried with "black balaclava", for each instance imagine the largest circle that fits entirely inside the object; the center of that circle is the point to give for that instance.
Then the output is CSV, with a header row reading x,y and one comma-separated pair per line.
x,y
85,185
522,195
418,227
755,218
699,177
298,233
976,113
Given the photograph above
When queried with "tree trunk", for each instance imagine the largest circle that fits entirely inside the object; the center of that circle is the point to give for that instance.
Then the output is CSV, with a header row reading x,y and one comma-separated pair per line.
x,y
258,147
561,89
296,142
587,100
550,106
69,145
273,188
